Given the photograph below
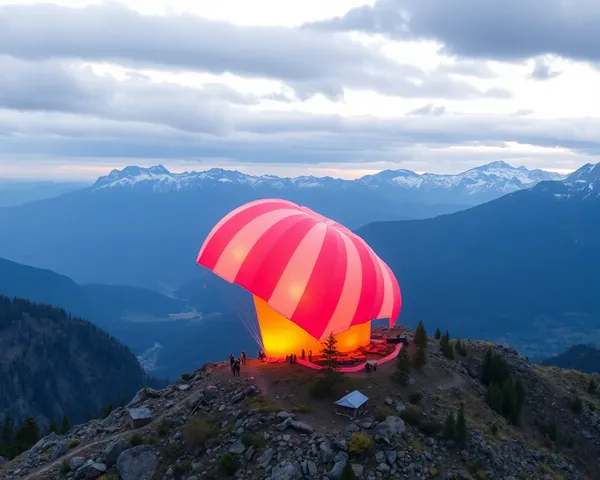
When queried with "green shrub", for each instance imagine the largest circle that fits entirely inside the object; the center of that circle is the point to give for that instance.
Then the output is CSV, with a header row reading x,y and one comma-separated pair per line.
x,y
415,397
228,465
431,426
411,415
197,432
359,443
252,440
74,443
64,467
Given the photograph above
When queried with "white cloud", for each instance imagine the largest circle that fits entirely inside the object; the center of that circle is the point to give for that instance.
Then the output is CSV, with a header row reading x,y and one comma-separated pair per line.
x,y
246,85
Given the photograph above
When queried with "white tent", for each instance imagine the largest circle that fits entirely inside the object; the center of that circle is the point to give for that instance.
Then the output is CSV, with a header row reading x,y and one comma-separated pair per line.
x,y
351,402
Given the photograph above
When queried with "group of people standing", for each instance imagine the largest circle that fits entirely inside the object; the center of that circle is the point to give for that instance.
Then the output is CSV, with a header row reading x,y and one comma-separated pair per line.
x,y
236,363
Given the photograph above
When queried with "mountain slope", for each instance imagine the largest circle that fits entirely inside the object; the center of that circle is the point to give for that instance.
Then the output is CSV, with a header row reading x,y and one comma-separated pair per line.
x,y
19,192
144,226
527,262
103,304
584,358
139,318
53,364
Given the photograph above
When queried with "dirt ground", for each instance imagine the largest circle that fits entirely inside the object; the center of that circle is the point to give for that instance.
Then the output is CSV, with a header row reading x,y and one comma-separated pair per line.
x,y
287,387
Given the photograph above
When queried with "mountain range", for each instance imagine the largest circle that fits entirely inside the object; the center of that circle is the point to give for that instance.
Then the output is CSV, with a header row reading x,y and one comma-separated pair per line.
x,y
18,192
144,226
522,268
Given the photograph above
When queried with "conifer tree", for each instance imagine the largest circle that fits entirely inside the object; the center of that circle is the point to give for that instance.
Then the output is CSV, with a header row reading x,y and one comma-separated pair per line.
x,y
421,335
449,427
330,352
457,345
438,334
65,424
27,435
108,410
402,372
592,386
53,427
462,432
420,356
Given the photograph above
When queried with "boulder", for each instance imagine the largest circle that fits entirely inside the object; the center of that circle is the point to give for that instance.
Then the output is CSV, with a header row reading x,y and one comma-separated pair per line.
x,y
301,427
75,463
391,427
90,469
112,451
138,417
237,448
138,463
61,448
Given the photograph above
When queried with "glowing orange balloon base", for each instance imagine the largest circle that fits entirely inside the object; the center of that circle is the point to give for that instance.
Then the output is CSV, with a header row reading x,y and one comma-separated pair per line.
x,y
282,337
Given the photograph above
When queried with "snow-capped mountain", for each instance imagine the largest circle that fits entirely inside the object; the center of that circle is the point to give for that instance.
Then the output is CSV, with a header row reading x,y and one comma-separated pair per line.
x,y
582,184
470,187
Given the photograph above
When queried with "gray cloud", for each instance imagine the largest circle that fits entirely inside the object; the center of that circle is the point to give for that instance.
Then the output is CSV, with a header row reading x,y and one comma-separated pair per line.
x,y
310,62
51,86
498,29
429,109
542,70
291,137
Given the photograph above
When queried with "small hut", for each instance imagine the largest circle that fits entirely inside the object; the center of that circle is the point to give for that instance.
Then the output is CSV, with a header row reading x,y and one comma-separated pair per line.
x,y
351,404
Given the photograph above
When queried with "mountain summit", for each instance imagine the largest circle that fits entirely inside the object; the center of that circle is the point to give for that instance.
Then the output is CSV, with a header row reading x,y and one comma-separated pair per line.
x,y
472,186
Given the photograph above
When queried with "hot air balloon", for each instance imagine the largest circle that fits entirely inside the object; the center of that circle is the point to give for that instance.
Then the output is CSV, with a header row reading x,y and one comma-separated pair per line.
x,y
309,276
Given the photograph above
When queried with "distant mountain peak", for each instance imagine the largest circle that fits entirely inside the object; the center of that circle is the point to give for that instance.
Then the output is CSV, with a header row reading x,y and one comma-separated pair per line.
x,y
484,182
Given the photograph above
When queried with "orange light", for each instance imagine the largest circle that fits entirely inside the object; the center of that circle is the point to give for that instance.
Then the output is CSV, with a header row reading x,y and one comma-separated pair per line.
x,y
282,337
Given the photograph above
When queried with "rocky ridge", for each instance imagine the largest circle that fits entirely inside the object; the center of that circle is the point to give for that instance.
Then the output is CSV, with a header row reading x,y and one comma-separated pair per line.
x,y
208,425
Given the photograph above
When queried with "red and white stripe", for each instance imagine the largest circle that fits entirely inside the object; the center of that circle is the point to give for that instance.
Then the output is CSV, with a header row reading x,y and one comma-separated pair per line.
x,y
310,269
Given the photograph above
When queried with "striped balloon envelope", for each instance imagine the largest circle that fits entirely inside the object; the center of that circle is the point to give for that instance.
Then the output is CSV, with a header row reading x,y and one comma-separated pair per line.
x,y
310,276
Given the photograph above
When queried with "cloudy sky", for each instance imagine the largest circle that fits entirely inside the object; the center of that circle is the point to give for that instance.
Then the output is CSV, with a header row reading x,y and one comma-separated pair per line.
x,y
335,87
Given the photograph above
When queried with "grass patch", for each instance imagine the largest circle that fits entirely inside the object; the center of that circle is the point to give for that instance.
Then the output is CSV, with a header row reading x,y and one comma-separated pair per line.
x,y
74,443
380,413
261,403
411,415
197,432
253,440
136,439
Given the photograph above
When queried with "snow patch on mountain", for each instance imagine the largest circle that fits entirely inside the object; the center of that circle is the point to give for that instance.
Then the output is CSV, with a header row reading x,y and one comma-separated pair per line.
x,y
497,178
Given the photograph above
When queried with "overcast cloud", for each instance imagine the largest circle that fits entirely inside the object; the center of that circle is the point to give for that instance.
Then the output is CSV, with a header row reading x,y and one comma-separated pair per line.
x,y
437,85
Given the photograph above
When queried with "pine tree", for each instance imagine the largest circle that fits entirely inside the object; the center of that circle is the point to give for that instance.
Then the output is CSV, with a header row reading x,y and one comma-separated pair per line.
x,y
420,356
402,372
6,436
65,426
592,386
446,346
438,334
53,427
330,352
449,427
463,350
457,345
420,335
27,436
462,432
107,410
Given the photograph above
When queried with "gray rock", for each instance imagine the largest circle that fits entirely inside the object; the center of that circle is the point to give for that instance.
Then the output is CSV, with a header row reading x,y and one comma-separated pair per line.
x,y
392,426
302,427
112,451
266,457
61,448
138,417
312,468
193,400
357,468
151,393
336,471
2,460
587,434
285,415
286,471
250,453
90,469
138,463
211,393
237,448
75,463
391,456
326,453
